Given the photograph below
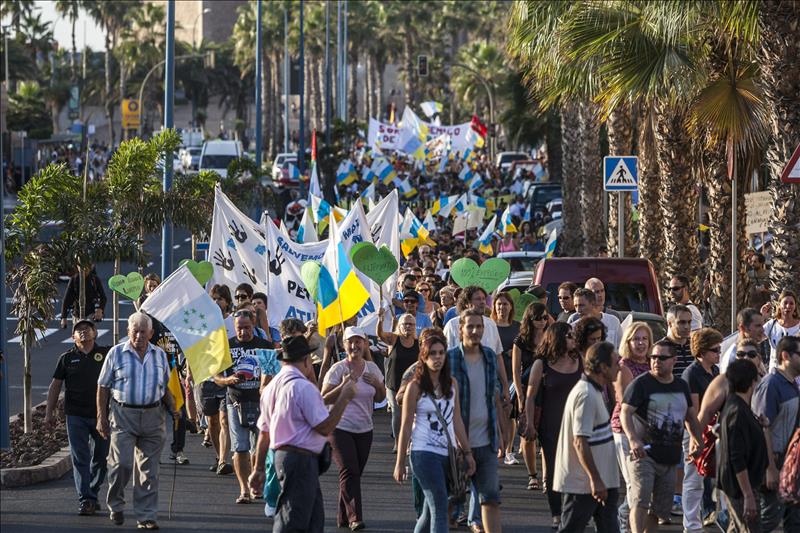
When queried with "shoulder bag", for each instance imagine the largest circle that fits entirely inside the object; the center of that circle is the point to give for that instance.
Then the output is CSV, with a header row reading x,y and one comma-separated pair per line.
x,y
457,480
789,481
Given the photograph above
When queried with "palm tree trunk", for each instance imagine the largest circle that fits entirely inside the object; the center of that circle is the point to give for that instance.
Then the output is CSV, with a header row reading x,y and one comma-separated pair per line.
x,y
352,87
277,116
319,76
591,181
678,199
266,105
408,60
553,140
115,304
620,142
379,104
107,90
570,239
122,89
368,112
28,338
73,65
650,220
778,56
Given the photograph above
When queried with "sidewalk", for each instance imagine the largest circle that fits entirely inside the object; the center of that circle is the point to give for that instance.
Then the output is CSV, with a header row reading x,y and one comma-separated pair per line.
x,y
204,500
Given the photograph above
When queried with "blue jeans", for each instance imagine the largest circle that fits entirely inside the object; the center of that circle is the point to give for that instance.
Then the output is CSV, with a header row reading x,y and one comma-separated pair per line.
x,y
486,479
89,451
430,469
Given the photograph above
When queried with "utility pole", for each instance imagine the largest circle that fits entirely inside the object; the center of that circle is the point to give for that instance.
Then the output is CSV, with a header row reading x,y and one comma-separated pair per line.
x,y
286,80
344,64
327,73
169,98
301,150
258,84
5,441
339,59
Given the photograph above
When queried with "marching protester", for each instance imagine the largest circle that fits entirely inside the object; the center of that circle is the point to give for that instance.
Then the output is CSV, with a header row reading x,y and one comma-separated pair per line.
x,y
634,350
785,322
432,423
352,438
242,381
679,291
530,338
78,370
294,423
586,307
508,329
566,293
95,298
655,408
599,290
555,371
132,401
474,368
750,325
585,471
403,352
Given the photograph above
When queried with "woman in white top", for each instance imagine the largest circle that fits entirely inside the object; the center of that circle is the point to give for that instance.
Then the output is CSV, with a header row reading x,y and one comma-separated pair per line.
x,y
786,322
431,396
352,439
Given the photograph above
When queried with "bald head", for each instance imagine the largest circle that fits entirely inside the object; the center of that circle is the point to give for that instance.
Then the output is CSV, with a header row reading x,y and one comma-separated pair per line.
x,y
599,290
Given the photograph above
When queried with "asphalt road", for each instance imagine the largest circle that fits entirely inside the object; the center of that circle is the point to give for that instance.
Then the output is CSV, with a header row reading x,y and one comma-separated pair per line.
x,y
56,341
203,500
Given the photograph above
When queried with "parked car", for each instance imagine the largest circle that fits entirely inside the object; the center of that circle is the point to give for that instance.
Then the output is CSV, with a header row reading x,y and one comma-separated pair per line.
x,y
279,163
540,194
504,159
631,283
522,261
218,154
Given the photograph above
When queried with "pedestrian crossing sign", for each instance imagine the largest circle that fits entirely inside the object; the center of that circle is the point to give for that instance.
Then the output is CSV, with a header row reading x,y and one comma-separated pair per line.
x,y
620,173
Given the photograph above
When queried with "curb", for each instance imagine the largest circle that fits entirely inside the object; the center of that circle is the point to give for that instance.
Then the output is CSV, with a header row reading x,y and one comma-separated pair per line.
x,y
51,468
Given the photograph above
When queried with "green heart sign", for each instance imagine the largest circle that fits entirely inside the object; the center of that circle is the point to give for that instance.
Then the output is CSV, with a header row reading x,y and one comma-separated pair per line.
x,y
309,273
130,286
488,276
521,302
358,246
202,271
377,264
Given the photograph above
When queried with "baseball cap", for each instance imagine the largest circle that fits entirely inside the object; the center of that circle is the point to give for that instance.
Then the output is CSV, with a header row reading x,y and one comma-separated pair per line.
x,y
82,321
354,331
537,290
411,293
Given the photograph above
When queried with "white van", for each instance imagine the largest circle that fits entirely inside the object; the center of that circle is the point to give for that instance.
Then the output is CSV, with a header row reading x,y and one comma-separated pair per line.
x,y
218,154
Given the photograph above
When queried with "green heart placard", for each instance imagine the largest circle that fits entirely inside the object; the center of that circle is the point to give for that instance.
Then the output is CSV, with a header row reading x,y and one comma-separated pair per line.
x,y
488,276
521,302
201,270
309,273
378,264
130,286
358,246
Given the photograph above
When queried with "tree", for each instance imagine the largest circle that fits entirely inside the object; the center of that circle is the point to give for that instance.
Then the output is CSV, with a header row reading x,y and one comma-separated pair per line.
x,y
70,9
28,111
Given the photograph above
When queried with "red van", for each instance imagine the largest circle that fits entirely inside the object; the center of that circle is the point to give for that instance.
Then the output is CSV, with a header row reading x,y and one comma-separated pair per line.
x,y
631,283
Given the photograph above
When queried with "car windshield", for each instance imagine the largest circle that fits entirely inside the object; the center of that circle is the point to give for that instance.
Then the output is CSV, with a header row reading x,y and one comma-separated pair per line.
x,y
508,158
620,296
542,195
195,151
217,161
522,264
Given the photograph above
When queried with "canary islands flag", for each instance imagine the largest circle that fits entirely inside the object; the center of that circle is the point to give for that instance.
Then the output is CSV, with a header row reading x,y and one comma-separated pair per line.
x,y
485,240
346,174
340,295
181,304
306,232
506,222
431,108
552,241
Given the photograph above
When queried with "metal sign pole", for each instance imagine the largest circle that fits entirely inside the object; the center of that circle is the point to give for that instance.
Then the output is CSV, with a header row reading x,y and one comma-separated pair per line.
x,y
620,224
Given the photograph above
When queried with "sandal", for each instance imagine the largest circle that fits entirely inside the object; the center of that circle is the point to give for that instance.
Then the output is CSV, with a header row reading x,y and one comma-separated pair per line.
x,y
556,522
533,482
243,498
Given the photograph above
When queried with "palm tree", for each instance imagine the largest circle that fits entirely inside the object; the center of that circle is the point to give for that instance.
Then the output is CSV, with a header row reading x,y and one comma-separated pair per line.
x,y
777,57
70,9
17,11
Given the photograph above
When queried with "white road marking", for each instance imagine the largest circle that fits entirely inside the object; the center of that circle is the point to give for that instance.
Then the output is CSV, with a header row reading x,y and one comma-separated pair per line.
x,y
100,333
39,336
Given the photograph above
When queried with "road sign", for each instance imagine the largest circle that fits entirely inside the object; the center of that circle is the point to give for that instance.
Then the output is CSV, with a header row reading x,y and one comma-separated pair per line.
x,y
758,208
791,174
131,113
620,173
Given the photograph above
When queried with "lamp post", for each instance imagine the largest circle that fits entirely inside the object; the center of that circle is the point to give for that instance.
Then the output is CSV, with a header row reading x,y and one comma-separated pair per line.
x,y
194,26
169,97
491,101
258,84
301,150
327,73
4,429
286,80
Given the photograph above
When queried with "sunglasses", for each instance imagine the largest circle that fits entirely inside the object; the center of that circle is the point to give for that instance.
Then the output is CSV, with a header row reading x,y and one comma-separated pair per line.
x,y
717,349
750,354
660,357
244,313
677,288
424,289
539,318
241,296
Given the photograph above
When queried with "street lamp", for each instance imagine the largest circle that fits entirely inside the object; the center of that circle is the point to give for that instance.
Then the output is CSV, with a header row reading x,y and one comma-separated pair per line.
x,y
194,26
491,101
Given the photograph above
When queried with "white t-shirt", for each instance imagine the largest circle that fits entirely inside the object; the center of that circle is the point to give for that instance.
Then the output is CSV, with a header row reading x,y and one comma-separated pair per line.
x,y
428,435
613,330
697,318
775,332
585,415
490,339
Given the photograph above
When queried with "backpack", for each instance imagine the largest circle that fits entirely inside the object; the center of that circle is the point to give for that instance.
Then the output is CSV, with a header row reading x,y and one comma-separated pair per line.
x,y
789,482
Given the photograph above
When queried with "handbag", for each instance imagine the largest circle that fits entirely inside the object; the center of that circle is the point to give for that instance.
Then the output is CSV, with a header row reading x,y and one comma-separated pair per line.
x,y
706,463
457,479
248,413
325,458
789,481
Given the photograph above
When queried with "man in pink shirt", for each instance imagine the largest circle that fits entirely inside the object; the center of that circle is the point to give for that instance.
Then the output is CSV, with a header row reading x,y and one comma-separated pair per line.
x,y
294,423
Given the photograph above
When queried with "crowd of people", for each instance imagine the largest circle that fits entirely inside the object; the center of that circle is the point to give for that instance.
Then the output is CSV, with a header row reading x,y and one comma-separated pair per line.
x,y
627,430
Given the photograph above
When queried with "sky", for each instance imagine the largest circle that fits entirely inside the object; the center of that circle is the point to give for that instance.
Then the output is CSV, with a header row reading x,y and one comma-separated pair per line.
x,y
62,30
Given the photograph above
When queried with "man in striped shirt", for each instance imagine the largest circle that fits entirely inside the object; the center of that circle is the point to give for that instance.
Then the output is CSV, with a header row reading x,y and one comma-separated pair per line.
x,y
134,378
586,473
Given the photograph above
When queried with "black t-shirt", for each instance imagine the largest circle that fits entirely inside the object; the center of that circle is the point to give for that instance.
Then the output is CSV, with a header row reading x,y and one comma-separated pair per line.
x,y
684,356
400,358
245,363
661,407
698,379
80,371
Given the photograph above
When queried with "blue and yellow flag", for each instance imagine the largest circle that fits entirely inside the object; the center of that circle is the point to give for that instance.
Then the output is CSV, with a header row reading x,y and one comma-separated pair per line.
x,y
340,295
507,223
346,173
485,240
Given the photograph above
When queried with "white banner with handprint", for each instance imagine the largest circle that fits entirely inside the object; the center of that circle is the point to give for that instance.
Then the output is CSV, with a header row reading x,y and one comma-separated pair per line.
x,y
237,247
288,297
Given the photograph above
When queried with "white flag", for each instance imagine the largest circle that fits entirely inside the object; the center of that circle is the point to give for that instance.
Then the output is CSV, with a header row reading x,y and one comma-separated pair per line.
x,y
306,232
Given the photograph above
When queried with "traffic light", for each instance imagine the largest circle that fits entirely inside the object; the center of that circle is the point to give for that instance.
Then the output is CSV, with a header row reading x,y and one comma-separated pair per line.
x,y
422,65
491,130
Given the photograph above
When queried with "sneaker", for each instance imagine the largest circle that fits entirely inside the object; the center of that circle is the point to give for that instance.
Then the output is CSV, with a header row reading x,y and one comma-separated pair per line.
x,y
181,459
87,508
117,517
710,519
224,469
677,506
664,521
511,459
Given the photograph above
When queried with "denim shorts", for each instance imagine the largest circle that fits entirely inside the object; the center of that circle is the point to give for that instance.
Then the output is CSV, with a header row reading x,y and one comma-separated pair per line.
x,y
243,439
486,479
